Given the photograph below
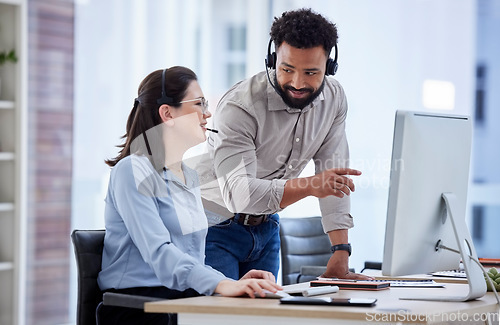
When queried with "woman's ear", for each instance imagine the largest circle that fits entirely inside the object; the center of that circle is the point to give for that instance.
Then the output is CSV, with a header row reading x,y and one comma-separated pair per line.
x,y
165,114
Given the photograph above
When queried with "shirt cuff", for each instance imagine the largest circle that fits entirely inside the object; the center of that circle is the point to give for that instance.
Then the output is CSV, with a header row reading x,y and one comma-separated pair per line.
x,y
204,279
277,190
337,221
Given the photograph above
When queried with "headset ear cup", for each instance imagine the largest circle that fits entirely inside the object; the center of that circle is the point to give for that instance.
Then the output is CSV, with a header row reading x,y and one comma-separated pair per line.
x,y
331,67
271,60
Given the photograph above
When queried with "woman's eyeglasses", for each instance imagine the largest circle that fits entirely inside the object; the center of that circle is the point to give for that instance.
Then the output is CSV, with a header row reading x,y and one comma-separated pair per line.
x,y
203,102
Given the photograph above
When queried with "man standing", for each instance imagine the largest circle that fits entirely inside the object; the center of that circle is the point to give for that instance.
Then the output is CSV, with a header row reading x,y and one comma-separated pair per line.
x,y
270,126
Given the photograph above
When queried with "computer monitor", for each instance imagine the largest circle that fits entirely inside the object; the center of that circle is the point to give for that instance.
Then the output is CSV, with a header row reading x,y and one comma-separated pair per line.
x,y
427,200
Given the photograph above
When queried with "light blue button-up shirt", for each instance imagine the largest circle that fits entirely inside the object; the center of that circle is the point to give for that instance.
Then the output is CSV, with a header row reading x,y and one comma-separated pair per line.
x,y
155,230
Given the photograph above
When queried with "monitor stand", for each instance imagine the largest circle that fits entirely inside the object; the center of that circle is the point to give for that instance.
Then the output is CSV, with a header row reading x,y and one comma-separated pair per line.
x,y
477,284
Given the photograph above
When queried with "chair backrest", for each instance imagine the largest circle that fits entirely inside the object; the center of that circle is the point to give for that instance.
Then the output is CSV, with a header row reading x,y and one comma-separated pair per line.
x,y
88,245
303,243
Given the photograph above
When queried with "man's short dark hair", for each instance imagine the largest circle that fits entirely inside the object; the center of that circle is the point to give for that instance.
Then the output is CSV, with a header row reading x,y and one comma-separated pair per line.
x,y
304,29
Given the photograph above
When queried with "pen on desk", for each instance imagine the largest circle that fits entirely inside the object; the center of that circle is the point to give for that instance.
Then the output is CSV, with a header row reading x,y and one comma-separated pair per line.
x,y
319,291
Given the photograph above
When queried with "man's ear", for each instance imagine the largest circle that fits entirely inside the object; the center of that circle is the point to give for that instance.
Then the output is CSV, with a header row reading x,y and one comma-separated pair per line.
x,y
165,114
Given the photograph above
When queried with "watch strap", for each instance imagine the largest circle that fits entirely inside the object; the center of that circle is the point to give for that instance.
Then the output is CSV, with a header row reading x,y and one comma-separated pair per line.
x,y
341,247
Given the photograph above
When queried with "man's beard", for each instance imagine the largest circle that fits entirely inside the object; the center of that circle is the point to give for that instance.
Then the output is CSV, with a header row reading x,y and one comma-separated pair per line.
x,y
299,103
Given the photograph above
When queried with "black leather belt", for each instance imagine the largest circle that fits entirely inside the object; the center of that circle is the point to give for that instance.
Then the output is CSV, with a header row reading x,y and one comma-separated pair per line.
x,y
250,219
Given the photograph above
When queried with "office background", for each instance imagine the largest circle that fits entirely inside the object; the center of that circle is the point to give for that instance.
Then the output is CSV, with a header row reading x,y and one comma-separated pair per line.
x,y
426,55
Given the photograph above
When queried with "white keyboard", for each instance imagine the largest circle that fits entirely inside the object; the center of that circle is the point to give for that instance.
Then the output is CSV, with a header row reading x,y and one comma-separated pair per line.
x,y
451,274
407,283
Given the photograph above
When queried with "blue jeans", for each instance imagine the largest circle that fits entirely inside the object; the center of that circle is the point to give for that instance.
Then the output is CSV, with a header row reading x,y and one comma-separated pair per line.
x,y
235,249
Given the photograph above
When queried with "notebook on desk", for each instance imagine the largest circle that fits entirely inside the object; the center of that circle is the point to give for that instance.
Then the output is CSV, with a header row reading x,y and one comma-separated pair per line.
x,y
490,262
351,284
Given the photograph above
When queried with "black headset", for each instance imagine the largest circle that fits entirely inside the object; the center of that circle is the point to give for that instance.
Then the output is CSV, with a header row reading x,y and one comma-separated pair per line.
x,y
331,64
164,99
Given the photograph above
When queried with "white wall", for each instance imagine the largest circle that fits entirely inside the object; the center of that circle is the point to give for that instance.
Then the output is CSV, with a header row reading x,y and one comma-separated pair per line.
x,y
117,43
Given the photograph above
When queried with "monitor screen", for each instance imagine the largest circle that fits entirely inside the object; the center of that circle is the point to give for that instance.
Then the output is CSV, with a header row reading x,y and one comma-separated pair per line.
x,y
428,182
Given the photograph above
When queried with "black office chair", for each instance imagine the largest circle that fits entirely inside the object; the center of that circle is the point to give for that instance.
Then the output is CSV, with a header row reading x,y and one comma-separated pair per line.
x,y
305,249
372,265
88,246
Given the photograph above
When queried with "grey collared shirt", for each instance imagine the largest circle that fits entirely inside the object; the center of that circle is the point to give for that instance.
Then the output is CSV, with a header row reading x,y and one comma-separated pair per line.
x,y
262,143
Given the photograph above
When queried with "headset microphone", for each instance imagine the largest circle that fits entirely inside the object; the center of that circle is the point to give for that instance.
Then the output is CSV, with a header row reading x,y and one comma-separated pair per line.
x,y
270,63
212,130
269,78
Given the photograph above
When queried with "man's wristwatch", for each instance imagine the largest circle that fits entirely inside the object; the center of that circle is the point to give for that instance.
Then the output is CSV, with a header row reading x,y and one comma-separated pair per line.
x,y
342,247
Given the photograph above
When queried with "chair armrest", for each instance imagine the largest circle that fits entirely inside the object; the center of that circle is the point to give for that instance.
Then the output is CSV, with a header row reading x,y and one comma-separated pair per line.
x,y
372,266
125,300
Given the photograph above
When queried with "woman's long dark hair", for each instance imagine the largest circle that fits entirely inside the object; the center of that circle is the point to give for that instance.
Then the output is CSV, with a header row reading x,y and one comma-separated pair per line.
x,y
145,116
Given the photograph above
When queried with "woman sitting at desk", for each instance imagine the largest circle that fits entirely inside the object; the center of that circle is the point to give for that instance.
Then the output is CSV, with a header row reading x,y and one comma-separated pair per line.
x,y
155,222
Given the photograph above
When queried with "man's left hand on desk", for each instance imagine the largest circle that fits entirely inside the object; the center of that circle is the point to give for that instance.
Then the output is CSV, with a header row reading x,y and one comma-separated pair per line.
x,y
348,275
338,267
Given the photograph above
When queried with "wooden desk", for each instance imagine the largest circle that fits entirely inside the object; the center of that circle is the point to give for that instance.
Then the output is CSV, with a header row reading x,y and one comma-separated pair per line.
x,y
389,309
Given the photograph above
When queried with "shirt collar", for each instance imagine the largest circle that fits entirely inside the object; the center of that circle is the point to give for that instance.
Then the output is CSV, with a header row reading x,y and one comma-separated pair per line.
x,y
169,176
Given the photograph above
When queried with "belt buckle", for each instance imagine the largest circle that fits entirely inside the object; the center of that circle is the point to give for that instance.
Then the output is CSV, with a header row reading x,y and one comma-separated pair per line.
x,y
245,220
